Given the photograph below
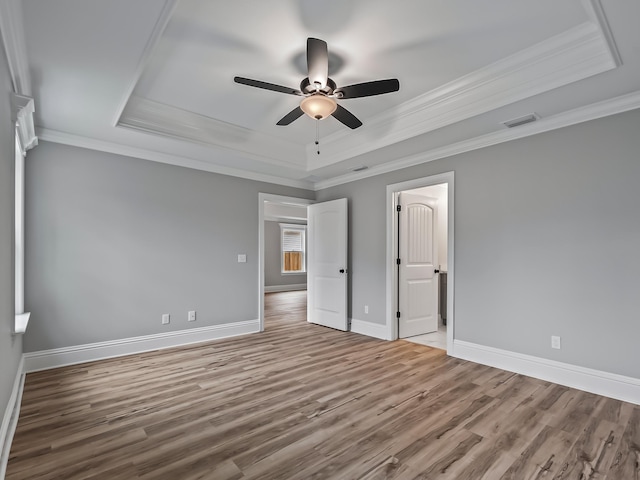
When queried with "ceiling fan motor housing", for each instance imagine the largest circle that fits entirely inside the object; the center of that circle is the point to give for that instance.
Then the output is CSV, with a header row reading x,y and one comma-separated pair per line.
x,y
308,88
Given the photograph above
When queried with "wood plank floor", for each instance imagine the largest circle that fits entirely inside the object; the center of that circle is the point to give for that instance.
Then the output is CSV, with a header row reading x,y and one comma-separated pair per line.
x,y
301,401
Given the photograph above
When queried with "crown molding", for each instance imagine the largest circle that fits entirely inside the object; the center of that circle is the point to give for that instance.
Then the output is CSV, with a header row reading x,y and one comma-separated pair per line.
x,y
163,19
594,111
152,117
64,138
598,17
142,114
574,55
23,109
15,45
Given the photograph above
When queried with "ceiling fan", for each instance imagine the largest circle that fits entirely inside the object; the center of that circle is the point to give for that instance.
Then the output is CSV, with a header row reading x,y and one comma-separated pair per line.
x,y
320,92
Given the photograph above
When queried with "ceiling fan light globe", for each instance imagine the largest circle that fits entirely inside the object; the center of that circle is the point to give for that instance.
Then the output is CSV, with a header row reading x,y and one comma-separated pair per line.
x,y
318,106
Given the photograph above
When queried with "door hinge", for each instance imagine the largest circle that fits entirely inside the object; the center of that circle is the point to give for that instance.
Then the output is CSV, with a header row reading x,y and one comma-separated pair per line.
x,y
397,314
397,261
398,208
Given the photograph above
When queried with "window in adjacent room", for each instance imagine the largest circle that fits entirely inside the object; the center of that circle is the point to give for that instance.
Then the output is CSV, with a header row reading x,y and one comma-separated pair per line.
x,y
293,247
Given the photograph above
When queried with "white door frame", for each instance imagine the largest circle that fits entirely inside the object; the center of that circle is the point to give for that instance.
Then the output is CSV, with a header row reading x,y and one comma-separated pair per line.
x,y
392,248
262,197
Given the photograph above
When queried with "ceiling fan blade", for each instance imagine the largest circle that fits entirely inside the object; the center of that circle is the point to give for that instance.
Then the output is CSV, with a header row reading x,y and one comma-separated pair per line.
x,y
368,89
317,61
291,116
266,86
345,116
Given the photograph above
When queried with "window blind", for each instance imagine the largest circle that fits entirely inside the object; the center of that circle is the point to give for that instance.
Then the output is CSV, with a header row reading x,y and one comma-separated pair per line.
x,y
291,241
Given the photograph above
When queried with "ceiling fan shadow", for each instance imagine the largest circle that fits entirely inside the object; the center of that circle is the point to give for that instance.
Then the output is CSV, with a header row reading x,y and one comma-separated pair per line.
x,y
327,16
299,62
180,29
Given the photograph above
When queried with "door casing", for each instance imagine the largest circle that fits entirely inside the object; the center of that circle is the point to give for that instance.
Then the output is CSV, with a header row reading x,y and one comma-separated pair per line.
x,y
262,197
391,271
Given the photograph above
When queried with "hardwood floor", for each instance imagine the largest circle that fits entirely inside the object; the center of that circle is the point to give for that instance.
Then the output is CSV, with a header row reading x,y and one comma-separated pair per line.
x,y
301,401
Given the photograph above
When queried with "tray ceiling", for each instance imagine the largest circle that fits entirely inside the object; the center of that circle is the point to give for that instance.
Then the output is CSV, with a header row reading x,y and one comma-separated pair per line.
x,y
154,79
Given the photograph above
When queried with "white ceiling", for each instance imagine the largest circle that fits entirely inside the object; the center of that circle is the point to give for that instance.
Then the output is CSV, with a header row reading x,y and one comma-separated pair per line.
x,y
154,78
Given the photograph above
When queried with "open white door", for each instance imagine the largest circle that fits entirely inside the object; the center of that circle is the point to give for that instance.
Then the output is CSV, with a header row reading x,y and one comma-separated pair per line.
x,y
418,288
327,264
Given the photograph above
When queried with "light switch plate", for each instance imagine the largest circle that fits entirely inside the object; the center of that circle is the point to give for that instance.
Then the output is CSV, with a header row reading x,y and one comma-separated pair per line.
x,y
242,258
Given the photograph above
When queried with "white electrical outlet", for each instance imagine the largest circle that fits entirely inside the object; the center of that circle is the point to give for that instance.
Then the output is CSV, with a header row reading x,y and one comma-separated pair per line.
x,y
555,342
242,258
366,309
192,316
166,318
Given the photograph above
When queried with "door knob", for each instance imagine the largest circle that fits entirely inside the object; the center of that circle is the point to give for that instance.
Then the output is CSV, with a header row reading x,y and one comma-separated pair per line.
x,y
436,271
342,270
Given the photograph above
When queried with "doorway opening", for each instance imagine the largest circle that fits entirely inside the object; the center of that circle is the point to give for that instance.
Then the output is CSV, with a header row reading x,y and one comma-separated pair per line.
x,y
422,247
282,248
326,261
420,261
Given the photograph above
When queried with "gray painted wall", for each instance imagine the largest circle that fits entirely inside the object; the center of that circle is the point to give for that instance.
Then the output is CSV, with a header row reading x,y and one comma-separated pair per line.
x,y
10,346
114,242
272,268
546,232
547,236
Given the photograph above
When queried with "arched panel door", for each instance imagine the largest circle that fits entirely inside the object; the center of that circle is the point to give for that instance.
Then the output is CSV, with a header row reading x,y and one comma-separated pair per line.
x,y
418,277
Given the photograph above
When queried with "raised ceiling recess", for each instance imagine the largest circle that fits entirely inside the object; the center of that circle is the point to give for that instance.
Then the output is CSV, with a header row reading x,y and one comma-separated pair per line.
x,y
155,79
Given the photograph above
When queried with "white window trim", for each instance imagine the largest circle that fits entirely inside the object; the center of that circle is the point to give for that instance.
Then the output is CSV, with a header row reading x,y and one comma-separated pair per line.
x,y
300,228
21,317
25,139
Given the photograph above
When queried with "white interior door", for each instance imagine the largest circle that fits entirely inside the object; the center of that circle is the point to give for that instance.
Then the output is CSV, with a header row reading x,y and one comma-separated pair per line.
x,y
418,292
327,264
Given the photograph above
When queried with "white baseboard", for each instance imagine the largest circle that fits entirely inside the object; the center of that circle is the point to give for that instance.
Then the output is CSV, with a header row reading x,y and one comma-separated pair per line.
x,y
370,329
285,288
610,385
10,419
60,357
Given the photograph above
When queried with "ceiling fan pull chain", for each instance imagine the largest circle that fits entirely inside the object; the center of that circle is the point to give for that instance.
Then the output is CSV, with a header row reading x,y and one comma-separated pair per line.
x,y
318,135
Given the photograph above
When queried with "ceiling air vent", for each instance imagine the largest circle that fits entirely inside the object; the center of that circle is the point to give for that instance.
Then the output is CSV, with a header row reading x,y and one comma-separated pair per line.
x,y
516,122
359,169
